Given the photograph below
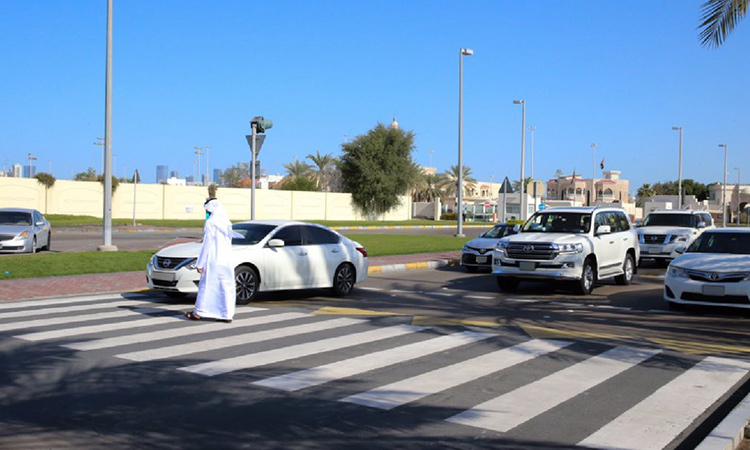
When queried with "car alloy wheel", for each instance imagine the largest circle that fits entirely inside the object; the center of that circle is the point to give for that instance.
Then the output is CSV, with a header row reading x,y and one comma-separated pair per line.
x,y
246,281
343,280
627,269
588,276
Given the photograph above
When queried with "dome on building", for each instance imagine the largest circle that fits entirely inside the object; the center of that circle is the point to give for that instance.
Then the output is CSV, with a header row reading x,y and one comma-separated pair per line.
x,y
394,124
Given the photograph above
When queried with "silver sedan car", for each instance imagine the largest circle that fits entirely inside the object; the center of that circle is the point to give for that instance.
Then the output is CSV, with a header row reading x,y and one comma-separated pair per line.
x,y
24,231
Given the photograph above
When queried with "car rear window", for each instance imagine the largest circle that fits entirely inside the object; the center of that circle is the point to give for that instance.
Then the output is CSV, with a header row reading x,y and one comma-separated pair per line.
x,y
14,218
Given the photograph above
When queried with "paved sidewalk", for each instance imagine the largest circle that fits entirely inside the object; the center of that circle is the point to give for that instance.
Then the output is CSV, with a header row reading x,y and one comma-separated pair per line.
x,y
30,288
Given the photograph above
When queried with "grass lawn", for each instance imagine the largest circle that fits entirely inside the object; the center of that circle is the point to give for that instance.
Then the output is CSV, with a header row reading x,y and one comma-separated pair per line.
x,y
56,264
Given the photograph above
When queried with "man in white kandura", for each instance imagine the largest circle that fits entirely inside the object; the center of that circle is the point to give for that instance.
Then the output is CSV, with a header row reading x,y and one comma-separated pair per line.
x,y
216,291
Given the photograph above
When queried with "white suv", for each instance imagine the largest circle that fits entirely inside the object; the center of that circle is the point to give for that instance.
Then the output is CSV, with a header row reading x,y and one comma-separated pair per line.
x,y
665,232
581,244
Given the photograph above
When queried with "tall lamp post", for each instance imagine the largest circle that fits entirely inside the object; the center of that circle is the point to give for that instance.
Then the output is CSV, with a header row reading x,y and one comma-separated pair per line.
x,y
198,154
460,200
522,191
32,158
724,187
532,128
679,179
738,194
107,219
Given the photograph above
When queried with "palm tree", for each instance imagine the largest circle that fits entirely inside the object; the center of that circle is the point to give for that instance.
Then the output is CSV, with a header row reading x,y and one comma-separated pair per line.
x,y
719,19
47,180
326,164
427,188
449,180
298,169
517,186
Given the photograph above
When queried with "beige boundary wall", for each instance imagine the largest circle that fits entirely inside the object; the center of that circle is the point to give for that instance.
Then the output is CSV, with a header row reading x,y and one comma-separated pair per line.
x,y
159,201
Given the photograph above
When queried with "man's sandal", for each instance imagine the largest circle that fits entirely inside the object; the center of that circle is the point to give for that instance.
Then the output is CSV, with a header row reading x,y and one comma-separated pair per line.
x,y
192,316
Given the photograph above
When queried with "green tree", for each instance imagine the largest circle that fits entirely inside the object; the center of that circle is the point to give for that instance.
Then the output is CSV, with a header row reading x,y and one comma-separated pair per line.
x,y
325,170
115,182
517,185
449,180
692,187
428,189
644,192
298,169
237,176
47,180
719,19
298,184
89,175
377,168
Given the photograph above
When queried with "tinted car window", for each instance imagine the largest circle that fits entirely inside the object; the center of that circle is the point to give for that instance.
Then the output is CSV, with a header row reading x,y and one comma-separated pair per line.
x,y
622,220
291,235
253,233
15,218
319,236
498,231
734,243
558,223
669,220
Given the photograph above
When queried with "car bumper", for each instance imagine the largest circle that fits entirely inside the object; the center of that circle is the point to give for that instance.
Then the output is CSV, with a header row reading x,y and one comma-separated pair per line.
x,y
692,292
182,280
564,267
474,259
660,251
16,246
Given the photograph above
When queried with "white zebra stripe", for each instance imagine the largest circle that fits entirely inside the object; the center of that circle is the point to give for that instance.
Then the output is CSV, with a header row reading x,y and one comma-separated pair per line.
x,y
411,389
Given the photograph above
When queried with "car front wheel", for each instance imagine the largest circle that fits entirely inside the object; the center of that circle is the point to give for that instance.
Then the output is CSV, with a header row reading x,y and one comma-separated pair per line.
x,y
343,280
627,271
588,277
246,281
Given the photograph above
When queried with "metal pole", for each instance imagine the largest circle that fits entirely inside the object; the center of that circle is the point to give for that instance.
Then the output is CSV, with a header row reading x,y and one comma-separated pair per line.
x,y
738,194
523,162
593,178
505,194
724,187
252,174
460,187
208,171
107,222
532,128
679,182
135,186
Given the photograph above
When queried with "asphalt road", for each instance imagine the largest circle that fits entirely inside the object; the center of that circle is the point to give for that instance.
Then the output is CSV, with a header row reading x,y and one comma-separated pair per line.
x,y
422,359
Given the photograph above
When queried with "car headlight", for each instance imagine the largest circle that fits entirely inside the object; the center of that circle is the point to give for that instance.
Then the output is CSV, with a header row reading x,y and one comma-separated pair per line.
x,y
679,238
501,247
465,249
23,234
570,248
747,277
191,264
153,261
677,272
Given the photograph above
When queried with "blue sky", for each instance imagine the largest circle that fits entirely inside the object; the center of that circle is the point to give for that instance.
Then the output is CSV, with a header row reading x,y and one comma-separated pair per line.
x,y
192,73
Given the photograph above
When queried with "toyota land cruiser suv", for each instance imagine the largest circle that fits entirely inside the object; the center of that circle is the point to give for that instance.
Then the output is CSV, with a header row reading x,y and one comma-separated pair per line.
x,y
663,233
579,244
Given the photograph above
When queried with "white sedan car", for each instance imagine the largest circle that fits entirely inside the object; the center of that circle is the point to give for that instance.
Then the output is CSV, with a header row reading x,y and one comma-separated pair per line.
x,y
273,255
714,271
477,253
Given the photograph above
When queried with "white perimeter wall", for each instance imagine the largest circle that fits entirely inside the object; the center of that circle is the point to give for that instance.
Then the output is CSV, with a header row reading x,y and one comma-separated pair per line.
x,y
158,201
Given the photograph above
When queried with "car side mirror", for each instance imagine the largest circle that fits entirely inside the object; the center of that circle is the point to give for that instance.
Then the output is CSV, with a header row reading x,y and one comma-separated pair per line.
x,y
681,249
701,224
274,243
603,229
516,228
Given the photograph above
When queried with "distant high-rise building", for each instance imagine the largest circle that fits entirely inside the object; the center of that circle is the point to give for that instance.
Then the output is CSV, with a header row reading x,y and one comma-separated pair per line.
x,y
190,179
16,171
217,176
162,173
174,174
29,171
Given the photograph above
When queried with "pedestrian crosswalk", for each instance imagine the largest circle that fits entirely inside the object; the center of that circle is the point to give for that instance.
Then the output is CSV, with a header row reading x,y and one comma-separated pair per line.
x,y
382,365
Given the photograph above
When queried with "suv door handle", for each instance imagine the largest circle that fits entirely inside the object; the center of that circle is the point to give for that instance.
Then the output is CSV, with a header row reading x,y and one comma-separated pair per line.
x,y
302,253
335,250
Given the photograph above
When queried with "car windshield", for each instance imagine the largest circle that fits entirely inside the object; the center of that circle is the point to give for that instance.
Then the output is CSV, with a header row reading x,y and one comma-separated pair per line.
x,y
15,218
554,222
252,232
734,243
498,231
669,220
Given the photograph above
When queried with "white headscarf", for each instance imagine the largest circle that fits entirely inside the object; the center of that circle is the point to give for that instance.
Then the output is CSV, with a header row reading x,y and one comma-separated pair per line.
x,y
218,219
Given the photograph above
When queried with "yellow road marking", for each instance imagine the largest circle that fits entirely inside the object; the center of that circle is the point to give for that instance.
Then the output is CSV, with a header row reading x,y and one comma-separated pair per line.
x,y
353,312
546,333
427,321
697,348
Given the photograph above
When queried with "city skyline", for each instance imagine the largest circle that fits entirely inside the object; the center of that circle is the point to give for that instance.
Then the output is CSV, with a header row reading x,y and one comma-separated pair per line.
x,y
618,75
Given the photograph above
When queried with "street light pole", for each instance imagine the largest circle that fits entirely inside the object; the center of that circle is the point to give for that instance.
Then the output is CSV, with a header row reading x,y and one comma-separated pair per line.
x,y
32,158
724,187
593,176
679,182
460,198
532,128
107,221
738,194
522,191
198,153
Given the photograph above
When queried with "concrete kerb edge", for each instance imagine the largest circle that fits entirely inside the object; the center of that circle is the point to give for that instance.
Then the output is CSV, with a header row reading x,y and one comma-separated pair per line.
x,y
422,265
731,431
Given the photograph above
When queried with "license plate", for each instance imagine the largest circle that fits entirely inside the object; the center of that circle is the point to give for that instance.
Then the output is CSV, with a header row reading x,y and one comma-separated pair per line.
x,y
481,259
654,250
163,276
526,265
715,291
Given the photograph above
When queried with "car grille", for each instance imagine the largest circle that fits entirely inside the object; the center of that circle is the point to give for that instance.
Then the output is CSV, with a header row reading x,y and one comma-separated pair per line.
x,y
481,251
654,238
170,263
713,277
164,283
6,237
734,299
531,251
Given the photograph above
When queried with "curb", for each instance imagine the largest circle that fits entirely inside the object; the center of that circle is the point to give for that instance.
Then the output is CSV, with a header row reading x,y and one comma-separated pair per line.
x,y
731,431
408,227
424,265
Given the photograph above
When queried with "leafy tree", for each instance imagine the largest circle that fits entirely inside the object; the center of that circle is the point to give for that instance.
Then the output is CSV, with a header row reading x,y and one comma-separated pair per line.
x,y
115,182
517,185
298,184
449,180
298,169
237,176
719,19
644,192
691,187
89,175
47,180
377,168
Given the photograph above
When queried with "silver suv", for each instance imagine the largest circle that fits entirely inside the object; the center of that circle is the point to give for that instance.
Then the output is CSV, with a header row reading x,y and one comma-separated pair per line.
x,y
580,244
664,235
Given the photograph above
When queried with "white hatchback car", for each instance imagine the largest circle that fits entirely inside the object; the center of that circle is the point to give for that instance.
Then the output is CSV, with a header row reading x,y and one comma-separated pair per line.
x,y
273,255
714,271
